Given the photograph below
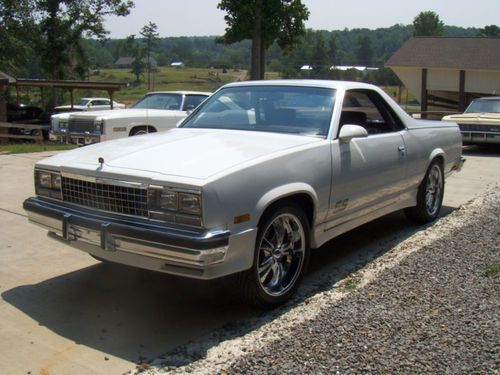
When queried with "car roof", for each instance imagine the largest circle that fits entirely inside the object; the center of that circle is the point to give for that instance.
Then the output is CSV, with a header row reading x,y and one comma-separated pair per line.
x,y
95,98
182,92
346,85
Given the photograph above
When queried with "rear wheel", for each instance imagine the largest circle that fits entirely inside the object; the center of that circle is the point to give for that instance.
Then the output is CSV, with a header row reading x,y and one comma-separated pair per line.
x,y
281,257
429,196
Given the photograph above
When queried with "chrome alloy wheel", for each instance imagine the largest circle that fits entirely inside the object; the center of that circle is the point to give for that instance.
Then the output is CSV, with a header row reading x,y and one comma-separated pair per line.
x,y
281,254
434,190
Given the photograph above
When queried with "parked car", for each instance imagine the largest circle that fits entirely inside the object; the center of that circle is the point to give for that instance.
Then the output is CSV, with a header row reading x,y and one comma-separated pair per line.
x,y
480,123
254,178
156,111
23,113
89,104
28,114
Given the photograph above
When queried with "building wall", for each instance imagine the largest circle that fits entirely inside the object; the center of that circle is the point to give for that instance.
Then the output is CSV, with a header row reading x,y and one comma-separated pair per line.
x,y
487,82
411,78
443,79
476,81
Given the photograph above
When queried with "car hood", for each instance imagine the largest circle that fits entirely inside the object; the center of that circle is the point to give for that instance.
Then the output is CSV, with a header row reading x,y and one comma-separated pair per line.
x,y
189,153
127,112
78,107
474,117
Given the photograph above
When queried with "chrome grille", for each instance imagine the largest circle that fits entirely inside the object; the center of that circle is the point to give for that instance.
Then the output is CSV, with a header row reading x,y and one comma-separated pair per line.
x,y
479,127
114,198
81,125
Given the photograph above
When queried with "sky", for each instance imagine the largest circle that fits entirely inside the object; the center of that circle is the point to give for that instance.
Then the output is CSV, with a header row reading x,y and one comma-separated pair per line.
x,y
202,18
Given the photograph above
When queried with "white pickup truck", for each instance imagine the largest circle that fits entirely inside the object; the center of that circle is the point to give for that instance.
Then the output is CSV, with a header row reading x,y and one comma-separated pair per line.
x,y
156,111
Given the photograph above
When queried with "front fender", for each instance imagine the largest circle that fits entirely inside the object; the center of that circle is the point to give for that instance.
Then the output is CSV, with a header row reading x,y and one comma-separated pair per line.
x,y
438,152
284,191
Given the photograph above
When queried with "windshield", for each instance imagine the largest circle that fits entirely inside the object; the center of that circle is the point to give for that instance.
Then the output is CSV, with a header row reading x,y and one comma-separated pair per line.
x,y
484,106
82,102
279,109
160,101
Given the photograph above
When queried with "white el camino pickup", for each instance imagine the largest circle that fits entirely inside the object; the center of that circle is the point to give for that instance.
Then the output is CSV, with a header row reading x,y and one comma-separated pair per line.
x,y
156,111
254,178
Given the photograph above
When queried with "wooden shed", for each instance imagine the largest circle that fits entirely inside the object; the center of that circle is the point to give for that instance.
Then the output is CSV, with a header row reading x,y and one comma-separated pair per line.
x,y
447,73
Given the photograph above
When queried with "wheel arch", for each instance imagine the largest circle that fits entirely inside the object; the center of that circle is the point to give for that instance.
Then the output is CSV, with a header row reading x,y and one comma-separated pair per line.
x,y
148,128
436,154
297,194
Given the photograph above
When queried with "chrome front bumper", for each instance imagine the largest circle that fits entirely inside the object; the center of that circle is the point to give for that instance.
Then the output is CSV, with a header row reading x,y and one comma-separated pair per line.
x,y
76,138
195,254
480,137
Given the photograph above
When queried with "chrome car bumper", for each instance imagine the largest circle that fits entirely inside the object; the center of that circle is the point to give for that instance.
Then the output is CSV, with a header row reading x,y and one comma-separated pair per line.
x,y
201,255
471,137
76,138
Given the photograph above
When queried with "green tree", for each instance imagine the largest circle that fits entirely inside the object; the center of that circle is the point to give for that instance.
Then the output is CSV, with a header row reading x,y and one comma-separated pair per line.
x,y
364,51
428,24
263,21
490,31
150,33
62,25
319,58
17,27
137,53
332,49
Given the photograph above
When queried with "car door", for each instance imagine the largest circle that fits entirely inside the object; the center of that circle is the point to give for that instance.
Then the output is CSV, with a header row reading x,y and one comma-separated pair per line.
x,y
368,173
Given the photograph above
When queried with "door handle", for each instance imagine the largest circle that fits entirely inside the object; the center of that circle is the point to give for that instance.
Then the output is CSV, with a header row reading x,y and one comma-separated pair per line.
x,y
402,149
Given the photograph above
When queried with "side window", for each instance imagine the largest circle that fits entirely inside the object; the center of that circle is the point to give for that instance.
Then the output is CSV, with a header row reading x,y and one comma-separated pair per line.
x,y
367,109
193,101
100,102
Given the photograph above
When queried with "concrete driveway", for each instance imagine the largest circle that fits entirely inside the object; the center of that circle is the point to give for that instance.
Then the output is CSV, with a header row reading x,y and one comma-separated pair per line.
x,y
64,313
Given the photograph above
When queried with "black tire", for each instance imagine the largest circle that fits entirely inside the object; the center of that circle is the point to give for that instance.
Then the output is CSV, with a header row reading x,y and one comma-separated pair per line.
x,y
99,259
429,197
277,270
139,131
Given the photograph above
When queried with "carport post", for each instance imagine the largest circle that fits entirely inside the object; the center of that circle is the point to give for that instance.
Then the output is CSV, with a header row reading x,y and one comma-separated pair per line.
x,y
3,106
461,92
110,93
3,102
423,96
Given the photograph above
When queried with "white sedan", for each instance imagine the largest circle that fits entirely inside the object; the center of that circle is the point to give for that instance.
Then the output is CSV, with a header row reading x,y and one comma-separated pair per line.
x,y
253,179
156,111
90,104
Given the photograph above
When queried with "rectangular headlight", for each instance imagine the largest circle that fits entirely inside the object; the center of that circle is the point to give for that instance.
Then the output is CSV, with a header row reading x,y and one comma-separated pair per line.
x,y
48,184
190,203
98,125
171,205
168,200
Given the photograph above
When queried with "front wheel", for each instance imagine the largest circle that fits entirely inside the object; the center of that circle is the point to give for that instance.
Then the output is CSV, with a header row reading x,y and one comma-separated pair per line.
x,y
429,197
139,131
282,253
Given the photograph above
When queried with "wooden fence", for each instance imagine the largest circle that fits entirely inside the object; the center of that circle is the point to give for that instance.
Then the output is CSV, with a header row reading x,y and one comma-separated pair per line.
x,y
36,135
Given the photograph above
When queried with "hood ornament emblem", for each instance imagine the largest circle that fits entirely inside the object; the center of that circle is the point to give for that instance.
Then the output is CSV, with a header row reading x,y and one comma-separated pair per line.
x,y
101,161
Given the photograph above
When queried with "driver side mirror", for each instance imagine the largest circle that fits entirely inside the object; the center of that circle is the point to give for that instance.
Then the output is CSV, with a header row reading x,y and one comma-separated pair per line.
x,y
348,132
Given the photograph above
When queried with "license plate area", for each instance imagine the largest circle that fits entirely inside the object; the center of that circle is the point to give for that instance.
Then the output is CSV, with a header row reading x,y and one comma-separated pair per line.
x,y
78,233
97,237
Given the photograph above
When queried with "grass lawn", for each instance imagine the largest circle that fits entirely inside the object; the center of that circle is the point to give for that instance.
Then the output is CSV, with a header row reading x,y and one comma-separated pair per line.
x,y
23,148
165,78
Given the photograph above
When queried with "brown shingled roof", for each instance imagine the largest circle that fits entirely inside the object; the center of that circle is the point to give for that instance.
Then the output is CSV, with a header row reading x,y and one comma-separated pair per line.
x,y
451,53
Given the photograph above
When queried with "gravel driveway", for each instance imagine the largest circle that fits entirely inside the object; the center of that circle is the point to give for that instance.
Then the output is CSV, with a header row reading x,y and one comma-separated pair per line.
x,y
429,305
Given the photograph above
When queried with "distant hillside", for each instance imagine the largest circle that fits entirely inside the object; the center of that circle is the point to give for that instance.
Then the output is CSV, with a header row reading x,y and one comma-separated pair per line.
x,y
378,44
